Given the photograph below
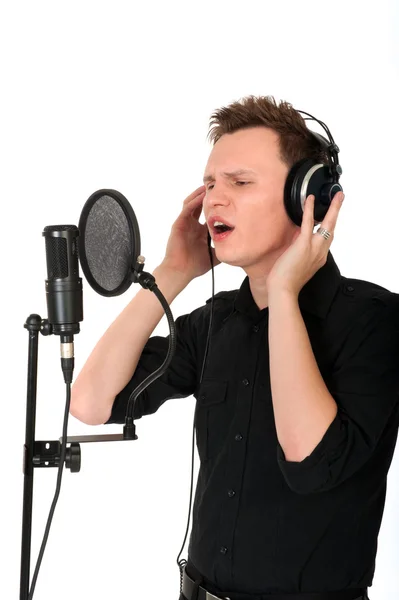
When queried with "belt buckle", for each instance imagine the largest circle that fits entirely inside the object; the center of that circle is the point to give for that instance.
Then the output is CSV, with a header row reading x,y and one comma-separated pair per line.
x,y
210,596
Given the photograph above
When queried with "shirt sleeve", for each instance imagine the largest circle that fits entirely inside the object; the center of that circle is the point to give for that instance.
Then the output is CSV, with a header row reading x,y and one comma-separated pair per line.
x,y
365,385
178,381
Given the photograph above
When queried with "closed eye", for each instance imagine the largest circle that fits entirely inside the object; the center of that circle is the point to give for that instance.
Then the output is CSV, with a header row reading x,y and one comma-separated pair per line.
x,y
239,183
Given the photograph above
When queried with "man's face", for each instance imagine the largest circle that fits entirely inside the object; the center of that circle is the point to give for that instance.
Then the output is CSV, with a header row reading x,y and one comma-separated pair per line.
x,y
252,202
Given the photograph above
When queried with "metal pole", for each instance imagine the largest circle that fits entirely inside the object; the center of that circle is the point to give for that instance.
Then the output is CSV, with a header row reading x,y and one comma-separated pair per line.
x,y
33,325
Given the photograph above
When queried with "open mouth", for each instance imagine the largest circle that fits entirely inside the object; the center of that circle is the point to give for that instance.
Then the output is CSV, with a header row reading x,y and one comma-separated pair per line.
x,y
220,232
222,228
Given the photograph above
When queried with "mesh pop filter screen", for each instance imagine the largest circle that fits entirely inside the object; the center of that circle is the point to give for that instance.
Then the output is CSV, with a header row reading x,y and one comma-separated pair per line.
x,y
108,243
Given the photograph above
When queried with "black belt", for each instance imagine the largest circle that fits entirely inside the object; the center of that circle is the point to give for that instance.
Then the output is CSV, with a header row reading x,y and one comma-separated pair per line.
x,y
189,587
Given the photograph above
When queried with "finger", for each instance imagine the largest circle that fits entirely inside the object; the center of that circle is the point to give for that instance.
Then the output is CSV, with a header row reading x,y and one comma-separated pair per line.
x,y
192,208
194,205
308,216
330,220
195,194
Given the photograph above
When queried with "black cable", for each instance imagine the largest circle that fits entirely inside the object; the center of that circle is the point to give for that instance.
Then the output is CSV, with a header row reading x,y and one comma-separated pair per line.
x,y
181,563
57,491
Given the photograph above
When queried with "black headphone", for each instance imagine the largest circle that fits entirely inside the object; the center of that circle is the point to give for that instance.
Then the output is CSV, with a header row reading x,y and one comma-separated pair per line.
x,y
308,176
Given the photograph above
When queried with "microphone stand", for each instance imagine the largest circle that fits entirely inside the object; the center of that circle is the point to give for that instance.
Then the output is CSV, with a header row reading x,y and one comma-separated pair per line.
x,y
46,454
37,453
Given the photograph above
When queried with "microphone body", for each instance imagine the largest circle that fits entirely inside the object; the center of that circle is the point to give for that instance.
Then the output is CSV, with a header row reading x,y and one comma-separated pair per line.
x,y
63,284
64,289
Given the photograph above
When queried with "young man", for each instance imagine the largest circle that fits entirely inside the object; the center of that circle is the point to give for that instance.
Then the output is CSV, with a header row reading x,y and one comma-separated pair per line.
x,y
297,414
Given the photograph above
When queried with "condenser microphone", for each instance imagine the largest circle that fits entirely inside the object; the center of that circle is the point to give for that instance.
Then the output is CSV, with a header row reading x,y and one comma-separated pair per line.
x,y
64,289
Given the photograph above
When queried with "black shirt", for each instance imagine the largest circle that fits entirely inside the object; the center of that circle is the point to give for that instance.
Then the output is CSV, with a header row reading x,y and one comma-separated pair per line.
x,y
262,524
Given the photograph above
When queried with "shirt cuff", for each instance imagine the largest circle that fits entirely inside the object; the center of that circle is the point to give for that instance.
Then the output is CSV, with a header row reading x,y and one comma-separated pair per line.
x,y
313,472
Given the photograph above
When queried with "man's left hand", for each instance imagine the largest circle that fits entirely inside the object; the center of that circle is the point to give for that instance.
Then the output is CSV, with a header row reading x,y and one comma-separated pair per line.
x,y
308,252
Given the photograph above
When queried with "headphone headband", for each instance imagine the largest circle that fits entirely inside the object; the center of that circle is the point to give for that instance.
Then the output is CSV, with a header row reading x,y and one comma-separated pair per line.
x,y
330,146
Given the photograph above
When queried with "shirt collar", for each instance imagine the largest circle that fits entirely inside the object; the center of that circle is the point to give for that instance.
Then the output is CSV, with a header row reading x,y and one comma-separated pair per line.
x,y
315,297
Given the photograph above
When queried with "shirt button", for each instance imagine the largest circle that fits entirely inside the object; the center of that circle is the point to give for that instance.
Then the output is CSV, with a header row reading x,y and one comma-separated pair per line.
x,y
255,328
245,381
223,550
350,288
231,493
238,437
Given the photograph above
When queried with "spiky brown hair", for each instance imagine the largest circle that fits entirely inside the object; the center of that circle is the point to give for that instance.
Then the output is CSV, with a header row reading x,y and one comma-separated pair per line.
x,y
296,141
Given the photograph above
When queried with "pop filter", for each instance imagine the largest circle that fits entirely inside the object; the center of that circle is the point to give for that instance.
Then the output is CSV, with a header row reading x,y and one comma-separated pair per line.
x,y
109,242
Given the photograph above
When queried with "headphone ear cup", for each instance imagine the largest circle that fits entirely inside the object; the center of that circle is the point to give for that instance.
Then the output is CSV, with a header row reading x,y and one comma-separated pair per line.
x,y
306,177
327,194
292,189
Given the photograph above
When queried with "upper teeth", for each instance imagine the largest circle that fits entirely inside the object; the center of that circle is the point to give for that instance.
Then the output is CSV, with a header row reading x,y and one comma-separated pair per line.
x,y
217,223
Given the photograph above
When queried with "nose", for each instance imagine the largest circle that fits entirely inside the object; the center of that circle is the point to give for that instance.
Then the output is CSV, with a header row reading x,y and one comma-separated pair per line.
x,y
216,195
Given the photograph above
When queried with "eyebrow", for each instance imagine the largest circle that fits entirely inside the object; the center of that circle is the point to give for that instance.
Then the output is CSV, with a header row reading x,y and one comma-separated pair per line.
x,y
230,174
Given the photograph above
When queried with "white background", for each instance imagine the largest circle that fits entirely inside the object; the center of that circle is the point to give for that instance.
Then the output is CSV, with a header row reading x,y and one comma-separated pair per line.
x,y
119,94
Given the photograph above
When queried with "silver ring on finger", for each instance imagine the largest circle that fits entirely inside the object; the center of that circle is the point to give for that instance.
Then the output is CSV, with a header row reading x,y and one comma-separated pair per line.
x,y
321,231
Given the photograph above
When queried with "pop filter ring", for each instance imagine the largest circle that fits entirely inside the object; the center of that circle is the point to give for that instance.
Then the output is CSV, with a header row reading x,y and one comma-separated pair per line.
x,y
134,240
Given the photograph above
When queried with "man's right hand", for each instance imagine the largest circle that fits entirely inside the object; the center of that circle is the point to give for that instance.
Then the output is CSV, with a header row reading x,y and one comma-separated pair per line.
x,y
187,248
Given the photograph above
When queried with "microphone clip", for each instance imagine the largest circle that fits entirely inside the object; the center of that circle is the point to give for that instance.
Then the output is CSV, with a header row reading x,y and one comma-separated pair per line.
x,y
146,280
